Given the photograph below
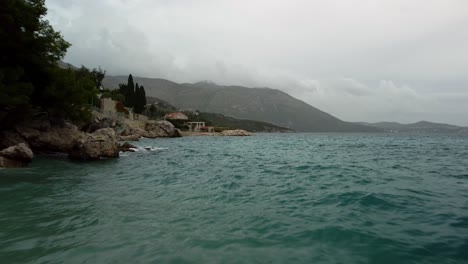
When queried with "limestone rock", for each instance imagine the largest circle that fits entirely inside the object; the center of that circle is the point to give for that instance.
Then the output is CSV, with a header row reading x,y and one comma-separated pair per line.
x,y
177,133
100,144
154,129
43,136
236,132
121,128
133,137
127,147
16,156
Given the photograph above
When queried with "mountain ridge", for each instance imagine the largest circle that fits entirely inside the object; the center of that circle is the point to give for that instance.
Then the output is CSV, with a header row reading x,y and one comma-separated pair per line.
x,y
261,104
420,126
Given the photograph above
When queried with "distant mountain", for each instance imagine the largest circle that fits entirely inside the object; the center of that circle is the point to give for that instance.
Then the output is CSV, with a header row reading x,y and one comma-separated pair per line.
x,y
422,126
261,104
65,65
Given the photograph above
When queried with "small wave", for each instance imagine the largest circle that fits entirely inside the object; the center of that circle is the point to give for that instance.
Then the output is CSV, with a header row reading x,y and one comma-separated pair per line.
x,y
147,149
365,199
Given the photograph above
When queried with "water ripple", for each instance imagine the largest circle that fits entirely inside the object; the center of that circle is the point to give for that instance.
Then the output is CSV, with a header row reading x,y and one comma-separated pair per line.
x,y
293,198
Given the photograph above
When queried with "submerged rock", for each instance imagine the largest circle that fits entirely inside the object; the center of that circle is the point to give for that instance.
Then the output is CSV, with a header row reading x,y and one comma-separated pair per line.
x,y
236,132
16,156
100,144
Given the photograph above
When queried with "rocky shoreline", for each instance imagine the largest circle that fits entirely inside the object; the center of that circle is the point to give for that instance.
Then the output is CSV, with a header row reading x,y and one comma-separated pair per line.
x,y
225,133
93,141
98,139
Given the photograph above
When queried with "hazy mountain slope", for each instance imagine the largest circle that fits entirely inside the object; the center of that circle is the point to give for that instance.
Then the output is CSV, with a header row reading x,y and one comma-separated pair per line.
x,y
220,120
214,119
421,126
262,104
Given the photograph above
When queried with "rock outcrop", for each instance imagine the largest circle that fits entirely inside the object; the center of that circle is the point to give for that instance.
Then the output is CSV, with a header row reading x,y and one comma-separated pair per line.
x,y
42,134
133,137
236,132
154,129
10,138
100,144
127,147
120,128
16,156
97,140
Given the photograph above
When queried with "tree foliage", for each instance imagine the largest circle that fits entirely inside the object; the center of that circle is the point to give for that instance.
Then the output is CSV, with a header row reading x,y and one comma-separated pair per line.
x,y
114,95
135,95
30,79
98,75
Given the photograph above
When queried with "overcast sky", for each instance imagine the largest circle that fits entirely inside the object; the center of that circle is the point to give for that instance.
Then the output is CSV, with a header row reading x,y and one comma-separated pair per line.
x,y
360,60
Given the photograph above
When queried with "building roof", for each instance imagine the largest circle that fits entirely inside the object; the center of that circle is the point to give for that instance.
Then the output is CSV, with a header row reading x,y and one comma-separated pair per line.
x,y
176,116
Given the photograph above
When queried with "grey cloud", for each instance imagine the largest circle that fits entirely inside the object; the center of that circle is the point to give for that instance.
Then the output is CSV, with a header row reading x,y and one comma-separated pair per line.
x,y
359,60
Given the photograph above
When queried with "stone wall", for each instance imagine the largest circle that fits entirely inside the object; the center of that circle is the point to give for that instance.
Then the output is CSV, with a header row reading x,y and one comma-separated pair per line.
x,y
108,105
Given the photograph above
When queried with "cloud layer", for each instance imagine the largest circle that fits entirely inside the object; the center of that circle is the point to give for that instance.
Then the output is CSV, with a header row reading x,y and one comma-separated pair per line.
x,y
360,60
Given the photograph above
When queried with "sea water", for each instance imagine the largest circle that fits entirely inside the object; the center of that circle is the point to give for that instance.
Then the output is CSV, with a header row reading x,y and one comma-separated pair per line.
x,y
269,198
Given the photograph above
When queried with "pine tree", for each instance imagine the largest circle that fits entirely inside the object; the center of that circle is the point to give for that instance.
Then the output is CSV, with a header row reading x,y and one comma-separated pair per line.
x,y
136,106
143,95
129,97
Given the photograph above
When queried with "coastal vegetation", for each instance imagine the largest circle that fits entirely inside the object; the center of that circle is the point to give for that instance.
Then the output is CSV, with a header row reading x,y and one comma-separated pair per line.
x,y
31,82
134,95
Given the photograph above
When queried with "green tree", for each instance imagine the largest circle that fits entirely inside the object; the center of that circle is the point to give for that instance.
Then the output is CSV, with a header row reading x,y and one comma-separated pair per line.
x,y
98,75
152,110
138,102
30,79
72,101
143,96
130,96
123,89
115,95
136,99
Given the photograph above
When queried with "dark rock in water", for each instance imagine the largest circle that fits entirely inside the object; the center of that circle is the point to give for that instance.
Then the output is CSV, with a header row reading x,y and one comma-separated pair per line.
x,y
127,147
16,156
100,144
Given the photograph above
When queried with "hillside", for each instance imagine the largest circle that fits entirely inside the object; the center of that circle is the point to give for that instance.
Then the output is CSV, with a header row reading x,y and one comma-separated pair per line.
x,y
217,120
418,127
262,104
220,120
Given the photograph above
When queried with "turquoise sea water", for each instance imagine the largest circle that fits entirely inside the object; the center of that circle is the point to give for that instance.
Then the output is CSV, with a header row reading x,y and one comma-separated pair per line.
x,y
273,198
